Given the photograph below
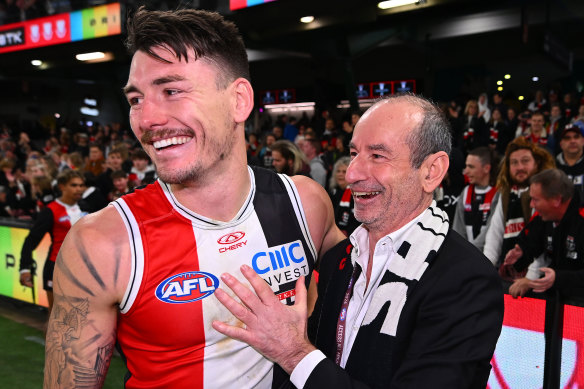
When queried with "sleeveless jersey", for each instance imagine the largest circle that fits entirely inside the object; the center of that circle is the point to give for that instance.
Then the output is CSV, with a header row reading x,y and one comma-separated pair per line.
x,y
164,324
64,216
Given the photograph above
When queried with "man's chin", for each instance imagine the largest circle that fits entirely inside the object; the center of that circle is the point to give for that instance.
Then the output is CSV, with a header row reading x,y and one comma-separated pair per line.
x,y
521,182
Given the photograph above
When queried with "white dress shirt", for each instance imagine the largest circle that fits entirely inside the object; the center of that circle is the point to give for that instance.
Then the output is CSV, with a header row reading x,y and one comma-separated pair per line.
x,y
385,250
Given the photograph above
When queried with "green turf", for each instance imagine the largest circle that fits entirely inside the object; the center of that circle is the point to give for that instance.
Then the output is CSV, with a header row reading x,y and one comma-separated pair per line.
x,y
22,360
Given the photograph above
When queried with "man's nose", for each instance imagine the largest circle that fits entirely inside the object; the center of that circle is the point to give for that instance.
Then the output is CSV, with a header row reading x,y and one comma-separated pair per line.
x,y
152,114
355,170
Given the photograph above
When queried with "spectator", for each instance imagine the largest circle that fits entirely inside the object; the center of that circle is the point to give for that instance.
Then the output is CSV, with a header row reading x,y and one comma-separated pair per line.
x,y
556,233
81,144
580,115
291,130
5,208
569,108
571,158
318,171
92,199
474,203
500,105
74,160
484,110
499,133
511,208
114,161
288,159
42,192
95,162
539,103
474,131
142,172
265,153
121,185
553,127
536,132
512,121
278,132
341,197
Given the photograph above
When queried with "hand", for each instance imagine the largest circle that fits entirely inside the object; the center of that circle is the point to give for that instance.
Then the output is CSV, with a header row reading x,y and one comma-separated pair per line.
x,y
275,330
519,287
513,255
26,279
543,284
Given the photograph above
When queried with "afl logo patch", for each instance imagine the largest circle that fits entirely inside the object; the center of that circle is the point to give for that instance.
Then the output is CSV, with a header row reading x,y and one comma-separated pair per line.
x,y
231,238
187,287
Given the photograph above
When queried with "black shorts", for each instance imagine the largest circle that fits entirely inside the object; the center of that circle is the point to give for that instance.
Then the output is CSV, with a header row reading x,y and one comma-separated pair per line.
x,y
48,275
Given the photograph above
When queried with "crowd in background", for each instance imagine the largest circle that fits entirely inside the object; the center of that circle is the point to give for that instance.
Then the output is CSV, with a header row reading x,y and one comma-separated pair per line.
x,y
113,162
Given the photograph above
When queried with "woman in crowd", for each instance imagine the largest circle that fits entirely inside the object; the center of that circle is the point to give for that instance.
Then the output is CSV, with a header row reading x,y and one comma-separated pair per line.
x,y
499,134
341,197
474,129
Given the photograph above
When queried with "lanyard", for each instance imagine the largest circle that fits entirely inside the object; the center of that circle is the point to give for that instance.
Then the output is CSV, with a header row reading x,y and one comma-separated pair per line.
x,y
341,325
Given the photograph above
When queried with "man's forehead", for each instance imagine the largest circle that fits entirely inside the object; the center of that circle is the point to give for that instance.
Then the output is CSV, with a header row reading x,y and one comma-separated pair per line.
x,y
521,153
389,119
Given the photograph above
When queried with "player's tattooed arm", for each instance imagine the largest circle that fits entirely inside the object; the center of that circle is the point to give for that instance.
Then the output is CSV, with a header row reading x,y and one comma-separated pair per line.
x,y
88,284
68,359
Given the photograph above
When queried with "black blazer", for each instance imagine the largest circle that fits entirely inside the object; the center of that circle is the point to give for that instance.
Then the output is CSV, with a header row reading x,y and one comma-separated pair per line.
x,y
446,334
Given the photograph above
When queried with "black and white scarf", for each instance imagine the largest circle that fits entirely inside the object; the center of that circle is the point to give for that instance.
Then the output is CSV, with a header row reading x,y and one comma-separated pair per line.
x,y
417,251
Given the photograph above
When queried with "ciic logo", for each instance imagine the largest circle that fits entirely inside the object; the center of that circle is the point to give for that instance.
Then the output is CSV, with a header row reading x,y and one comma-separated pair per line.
x,y
187,287
231,238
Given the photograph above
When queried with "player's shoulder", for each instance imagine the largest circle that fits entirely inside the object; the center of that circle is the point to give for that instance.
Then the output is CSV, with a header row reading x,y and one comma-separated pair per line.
x,y
105,225
309,189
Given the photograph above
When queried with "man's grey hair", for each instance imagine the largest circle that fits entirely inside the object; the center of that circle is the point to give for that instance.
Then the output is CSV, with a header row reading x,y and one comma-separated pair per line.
x,y
433,134
554,182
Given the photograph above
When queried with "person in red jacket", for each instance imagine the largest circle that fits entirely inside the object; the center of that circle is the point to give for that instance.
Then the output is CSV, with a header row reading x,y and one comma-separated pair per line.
x,y
55,219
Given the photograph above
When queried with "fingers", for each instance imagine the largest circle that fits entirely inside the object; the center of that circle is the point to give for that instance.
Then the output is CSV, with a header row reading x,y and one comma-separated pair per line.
x,y
246,296
231,331
262,289
301,295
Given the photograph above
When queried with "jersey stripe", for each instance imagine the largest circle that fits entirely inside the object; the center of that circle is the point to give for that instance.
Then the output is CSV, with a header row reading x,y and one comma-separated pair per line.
x,y
299,210
137,252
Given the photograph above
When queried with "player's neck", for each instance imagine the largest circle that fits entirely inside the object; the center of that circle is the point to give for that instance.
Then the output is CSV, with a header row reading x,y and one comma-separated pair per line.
x,y
220,195
67,200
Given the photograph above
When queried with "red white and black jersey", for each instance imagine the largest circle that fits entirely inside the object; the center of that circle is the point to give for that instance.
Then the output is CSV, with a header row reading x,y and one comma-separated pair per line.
x,y
164,324
55,219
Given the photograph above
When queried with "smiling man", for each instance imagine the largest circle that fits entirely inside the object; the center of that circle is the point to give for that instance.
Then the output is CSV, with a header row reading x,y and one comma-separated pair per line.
x,y
414,305
143,272
553,237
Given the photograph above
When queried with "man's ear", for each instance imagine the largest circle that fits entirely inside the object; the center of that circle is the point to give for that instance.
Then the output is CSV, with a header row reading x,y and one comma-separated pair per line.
x,y
243,99
557,201
433,170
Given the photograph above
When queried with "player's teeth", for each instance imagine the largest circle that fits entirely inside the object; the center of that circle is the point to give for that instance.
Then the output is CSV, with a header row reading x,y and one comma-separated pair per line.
x,y
170,141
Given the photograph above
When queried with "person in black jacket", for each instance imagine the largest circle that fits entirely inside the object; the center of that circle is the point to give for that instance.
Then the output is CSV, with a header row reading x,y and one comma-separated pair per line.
x,y
408,303
554,236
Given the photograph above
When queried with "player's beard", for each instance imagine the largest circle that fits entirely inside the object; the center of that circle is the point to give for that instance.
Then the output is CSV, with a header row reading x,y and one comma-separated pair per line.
x,y
212,151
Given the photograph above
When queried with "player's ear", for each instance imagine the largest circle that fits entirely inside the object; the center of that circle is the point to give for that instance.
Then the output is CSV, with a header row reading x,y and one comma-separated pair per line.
x,y
433,170
243,99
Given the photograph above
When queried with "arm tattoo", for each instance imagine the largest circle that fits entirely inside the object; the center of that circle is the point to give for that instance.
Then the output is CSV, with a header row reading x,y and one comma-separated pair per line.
x,y
88,263
67,273
68,361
